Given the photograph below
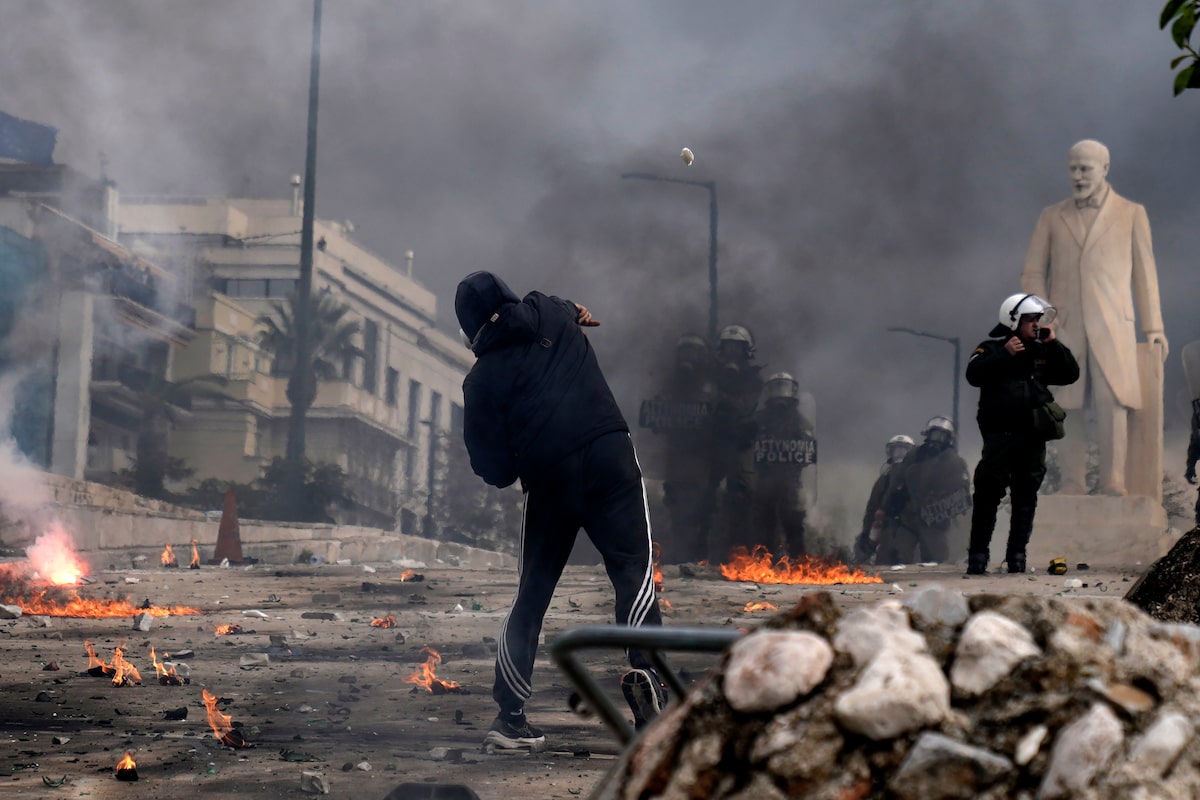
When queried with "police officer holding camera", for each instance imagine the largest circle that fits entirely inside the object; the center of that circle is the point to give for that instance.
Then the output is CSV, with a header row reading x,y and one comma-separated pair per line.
x,y
1017,416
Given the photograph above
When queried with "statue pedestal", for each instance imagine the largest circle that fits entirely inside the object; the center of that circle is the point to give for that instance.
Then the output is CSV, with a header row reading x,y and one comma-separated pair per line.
x,y
1092,529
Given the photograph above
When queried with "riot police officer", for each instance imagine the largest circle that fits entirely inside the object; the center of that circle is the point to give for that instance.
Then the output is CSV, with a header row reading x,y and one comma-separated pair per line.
x,y
926,492
783,447
1017,416
894,452
739,386
683,414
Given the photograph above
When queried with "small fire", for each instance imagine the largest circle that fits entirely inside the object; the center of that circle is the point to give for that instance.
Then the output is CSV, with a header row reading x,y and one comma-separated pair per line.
x,y
124,673
96,667
195,563
424,676
411,576
658,576
665,604
384,622
228,630
221,723
126,769
763,606
760,567
167,676
168,557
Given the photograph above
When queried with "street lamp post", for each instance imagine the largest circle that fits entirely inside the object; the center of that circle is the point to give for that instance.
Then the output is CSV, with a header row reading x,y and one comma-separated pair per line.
x,y
711,186
954,340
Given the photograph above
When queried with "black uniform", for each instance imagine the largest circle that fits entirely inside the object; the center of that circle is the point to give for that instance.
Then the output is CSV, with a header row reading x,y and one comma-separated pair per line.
x,y
738,388
1011,387
537,407
1193,453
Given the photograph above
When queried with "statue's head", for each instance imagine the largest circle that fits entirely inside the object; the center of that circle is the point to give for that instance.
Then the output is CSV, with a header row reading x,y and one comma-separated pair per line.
x,y
1087,162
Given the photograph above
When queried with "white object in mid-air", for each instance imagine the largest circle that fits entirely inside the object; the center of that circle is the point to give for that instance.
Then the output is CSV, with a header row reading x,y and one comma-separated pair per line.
x,y
687,156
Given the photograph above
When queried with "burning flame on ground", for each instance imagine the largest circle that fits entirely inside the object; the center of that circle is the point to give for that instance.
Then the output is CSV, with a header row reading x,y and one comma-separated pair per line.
x,y
221,723
763,606
168,557
126,769
124,673
95,665
228,630
411,575
167,676
760,567
195,563
656,550
384,622
45,584
424,676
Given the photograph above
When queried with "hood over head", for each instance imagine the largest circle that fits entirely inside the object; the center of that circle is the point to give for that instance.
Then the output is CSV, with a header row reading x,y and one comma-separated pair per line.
x,y
479,296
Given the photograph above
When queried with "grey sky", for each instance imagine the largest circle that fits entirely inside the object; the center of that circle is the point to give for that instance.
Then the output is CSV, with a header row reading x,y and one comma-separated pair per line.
x,y
877,164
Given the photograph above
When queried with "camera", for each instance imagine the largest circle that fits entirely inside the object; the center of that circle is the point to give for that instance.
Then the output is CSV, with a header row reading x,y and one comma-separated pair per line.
x,y
1043,334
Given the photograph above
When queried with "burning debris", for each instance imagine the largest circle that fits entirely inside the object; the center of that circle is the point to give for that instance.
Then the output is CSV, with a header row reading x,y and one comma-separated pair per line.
x,y
384,622
943,696
168,557
195,562
126,769
230,629
409,576
224,729
424,676
166,671
46,585
120,671
760,606
759,566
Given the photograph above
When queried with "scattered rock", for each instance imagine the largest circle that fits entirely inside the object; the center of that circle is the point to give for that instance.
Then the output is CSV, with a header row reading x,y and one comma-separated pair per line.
x,y
10,612
143,622
939,767
771,669
1157,749
1081,750
314,783
990,646
899,691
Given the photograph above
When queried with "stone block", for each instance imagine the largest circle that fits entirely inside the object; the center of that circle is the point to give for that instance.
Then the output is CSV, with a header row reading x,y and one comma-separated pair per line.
x,y
1097,530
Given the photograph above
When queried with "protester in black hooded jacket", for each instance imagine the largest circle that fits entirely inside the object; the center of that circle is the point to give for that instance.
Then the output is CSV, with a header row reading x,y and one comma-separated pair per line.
x,y
537,407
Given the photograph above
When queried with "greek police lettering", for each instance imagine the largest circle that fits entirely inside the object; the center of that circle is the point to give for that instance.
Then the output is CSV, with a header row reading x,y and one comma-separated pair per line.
x,y
659,414
785,451
946,508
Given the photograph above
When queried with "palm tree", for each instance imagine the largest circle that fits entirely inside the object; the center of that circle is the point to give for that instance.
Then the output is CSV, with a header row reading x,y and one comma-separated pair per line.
x,y
332,341
160,402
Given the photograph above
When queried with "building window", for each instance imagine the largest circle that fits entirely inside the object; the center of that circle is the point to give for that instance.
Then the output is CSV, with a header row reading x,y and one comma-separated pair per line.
x,y
414,409
457,419
391,386
370,355
256,287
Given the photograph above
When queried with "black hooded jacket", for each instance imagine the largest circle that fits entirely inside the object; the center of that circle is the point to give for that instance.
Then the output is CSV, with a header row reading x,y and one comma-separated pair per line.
x,y
1011,386
536,392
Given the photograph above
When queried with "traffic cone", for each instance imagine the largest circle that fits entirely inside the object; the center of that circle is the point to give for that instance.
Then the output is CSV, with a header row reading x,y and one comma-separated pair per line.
x,y
229,539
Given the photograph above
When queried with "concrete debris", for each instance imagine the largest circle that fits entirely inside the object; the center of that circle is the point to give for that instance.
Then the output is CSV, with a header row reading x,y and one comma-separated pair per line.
x,y
314,783
943,696
10,612
254,612
143,622
254,660
38,621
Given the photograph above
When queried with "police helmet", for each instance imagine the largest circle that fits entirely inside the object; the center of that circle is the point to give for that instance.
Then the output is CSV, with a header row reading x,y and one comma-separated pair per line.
x,y
1018,305
736,333
690,340
781,386
897,446
939,429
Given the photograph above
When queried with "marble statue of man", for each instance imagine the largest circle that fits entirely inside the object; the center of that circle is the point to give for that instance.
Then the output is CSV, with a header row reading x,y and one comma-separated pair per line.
x,y
1091,257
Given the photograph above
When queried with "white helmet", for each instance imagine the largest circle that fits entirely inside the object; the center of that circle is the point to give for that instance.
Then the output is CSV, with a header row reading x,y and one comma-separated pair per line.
x,y
897,446
736,333
1017,305
940,428
781,386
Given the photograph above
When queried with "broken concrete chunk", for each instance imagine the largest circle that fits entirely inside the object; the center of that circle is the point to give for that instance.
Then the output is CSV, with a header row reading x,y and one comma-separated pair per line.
x,y
254,660
899,691
10,612
940,767
1155,752
772,669
1081,750
143,622
991,645
314,783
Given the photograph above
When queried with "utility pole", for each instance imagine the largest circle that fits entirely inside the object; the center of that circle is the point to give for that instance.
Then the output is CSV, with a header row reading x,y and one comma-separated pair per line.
x,y
302,372
957,343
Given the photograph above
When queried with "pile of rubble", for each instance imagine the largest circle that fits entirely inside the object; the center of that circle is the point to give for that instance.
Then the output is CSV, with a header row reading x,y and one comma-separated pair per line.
x,y
938,696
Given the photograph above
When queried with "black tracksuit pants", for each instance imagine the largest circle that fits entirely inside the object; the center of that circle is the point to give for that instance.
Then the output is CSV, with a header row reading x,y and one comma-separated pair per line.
x,y
598,488
1012,461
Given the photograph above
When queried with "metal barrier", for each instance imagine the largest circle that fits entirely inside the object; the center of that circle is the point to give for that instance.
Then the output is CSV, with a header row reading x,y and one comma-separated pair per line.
x,y
653,640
